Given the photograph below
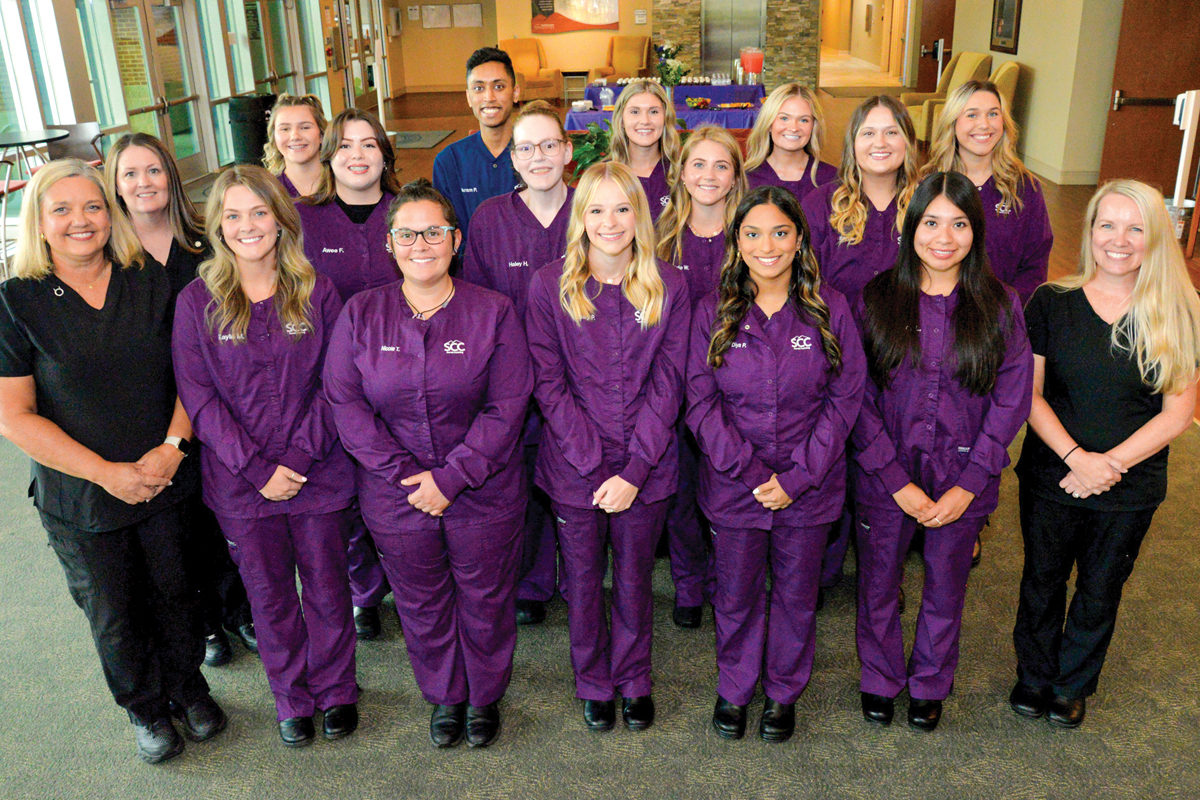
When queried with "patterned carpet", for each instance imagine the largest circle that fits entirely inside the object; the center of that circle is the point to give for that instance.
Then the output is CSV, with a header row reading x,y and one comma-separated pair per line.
x,y
61,736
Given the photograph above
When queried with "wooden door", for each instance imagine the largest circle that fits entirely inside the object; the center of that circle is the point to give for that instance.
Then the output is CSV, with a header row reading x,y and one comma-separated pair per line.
x,y
1158,56
937,22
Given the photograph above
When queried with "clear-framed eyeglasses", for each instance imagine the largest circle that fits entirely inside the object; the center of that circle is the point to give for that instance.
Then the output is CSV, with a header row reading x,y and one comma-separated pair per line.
x,y
549,148
435,235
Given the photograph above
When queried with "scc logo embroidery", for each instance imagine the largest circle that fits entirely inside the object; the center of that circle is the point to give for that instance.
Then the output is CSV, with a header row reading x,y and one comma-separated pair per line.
x,y
666,198
1003,208
455,347
802,343
297,329
637,317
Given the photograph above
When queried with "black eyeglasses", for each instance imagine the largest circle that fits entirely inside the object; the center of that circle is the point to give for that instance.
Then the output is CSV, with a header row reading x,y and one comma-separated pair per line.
x,y
550,147
435,235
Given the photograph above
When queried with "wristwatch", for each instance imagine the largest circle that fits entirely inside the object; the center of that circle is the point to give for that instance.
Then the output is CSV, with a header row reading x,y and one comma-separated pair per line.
x,y
183,445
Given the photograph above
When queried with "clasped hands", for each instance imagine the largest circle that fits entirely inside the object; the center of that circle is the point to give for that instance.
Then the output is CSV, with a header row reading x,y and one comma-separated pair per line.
x,y
144,480
950,506
1091,473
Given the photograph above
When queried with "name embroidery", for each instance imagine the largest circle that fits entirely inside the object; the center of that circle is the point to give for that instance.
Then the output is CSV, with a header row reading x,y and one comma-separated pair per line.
x,y
469,190
683,267
802,343
738,344
332,250
229,337
518,263
387,348
455,347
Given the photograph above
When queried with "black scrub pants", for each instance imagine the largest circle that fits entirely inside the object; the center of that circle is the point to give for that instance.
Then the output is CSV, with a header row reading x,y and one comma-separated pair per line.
x,y
133,587
1104,545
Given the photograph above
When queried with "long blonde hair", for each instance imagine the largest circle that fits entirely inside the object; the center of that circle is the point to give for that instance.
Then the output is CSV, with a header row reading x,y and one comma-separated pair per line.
x,y
642,284
229,310
32,256
1162,323
668,145
675,217
272,158
1008,171
186,224
849,207
759,144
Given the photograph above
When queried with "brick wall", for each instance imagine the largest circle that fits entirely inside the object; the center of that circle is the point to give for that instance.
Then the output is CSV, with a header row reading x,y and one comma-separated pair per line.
x,y
131,58
678,22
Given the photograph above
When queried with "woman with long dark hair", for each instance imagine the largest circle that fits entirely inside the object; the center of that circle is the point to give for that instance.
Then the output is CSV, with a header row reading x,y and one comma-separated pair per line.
x,y
951,375
775,380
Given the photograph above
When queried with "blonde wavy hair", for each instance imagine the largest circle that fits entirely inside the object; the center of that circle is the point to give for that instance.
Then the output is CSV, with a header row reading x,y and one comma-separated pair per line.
x,y
1161,326
668,145
642,284
272,158
849,207
229,310
759,145
32,257
675,217
1008,171
185,221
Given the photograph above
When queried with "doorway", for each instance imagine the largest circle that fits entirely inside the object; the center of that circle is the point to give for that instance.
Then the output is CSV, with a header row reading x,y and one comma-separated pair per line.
x,y
865,46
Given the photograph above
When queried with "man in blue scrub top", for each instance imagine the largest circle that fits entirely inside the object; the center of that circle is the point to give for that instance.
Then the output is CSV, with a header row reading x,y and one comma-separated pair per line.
x,y
478,167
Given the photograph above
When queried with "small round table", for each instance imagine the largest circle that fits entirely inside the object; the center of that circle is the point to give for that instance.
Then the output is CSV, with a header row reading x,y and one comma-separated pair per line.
x,y
19,140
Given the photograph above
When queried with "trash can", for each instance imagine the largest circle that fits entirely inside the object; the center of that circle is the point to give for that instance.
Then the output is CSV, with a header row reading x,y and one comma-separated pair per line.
x,y
248,120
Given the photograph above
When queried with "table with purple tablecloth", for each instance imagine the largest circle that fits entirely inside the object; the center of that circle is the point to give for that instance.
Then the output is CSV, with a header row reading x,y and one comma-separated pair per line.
x,y
717,94
690,117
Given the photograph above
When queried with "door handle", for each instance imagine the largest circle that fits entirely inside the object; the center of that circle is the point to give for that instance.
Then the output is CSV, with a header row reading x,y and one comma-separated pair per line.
x,y
1119,100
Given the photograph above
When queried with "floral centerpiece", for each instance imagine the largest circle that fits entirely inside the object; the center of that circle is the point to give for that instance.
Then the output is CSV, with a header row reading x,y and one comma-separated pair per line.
x,y
670,69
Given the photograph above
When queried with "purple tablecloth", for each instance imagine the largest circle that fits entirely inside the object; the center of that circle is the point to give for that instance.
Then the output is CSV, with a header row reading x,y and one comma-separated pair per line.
x,y
690,117
718,94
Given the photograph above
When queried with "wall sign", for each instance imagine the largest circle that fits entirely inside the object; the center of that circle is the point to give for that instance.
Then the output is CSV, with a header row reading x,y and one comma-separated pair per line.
x,y
562,16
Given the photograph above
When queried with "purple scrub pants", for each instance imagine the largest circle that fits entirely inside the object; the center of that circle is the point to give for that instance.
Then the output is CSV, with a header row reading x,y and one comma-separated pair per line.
x,y
883,539
306,642
839,539
368,583
691,557
619,661
539,558
455,591
750,644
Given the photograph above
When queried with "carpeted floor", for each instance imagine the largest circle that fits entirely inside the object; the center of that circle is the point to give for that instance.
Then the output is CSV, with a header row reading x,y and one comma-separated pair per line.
x,y
61,736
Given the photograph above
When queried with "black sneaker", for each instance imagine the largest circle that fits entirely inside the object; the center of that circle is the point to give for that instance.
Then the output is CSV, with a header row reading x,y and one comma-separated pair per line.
x,y
157,740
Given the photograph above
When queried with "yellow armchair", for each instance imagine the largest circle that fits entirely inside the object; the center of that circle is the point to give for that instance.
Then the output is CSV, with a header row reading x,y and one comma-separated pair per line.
x,y
1005,77
628,57
924,107
538,81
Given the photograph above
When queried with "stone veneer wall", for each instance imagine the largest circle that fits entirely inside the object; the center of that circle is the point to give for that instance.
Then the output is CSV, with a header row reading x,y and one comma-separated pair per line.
x,y
793,42
793,37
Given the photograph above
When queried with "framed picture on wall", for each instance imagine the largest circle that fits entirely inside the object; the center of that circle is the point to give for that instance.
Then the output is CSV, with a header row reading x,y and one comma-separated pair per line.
x,y
1006,24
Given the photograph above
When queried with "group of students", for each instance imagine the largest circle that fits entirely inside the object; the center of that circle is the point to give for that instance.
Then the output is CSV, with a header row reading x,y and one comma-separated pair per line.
x,y
764,356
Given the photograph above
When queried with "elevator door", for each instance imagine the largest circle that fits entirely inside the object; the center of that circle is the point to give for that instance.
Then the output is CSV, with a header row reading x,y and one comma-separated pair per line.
x,y
730,25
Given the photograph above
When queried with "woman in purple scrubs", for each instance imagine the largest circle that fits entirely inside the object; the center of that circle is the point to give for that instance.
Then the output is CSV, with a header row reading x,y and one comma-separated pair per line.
x,y
429,379
775,380
784,147
293,149
976,135
249,343
951,380
514,236
691,235
345,235
608,329
855,223
645,139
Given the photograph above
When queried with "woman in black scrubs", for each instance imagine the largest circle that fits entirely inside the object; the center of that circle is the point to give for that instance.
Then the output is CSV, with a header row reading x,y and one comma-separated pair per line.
x,y
87,391
1115,350
149,193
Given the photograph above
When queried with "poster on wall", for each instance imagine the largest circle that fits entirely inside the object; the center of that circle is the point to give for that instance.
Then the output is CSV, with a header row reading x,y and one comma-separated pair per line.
x,y
562,16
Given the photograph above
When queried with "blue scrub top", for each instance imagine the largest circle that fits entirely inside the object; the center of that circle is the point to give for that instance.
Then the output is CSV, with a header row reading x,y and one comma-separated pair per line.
x,y
467,174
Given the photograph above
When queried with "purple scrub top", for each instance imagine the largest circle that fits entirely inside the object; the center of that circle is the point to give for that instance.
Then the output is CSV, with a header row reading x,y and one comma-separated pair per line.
x,y
257,403
658,191
509,245
774,407
353,256
925,428
848,268
764,175
1018,242
610,392
700,263
288,185
447,394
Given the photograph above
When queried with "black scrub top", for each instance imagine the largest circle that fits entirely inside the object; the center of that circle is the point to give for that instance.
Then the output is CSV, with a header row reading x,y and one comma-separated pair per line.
x,y
102,375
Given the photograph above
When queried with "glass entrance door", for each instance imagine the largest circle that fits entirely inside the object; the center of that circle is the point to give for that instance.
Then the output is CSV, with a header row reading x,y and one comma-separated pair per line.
x,y
156,78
